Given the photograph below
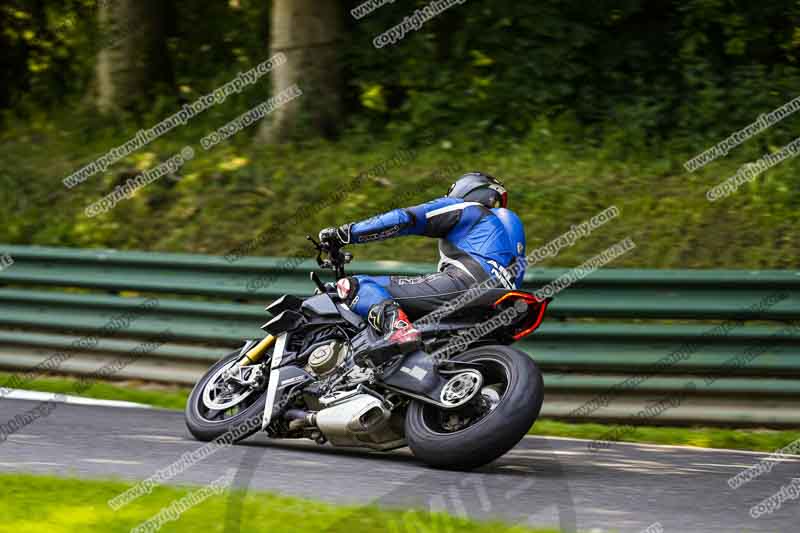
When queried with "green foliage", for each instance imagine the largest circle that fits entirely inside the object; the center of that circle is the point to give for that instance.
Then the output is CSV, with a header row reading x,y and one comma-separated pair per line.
x,y
48,52
663,70
558,176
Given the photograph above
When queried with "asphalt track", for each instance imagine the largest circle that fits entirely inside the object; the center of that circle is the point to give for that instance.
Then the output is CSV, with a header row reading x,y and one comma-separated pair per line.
x,y
543,482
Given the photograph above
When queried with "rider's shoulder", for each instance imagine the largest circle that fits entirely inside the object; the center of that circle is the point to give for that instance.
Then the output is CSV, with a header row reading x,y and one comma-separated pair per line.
x,y
506,215
443,202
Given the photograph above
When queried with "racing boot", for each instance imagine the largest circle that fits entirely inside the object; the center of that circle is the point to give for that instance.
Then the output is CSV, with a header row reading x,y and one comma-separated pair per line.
x,y
389,333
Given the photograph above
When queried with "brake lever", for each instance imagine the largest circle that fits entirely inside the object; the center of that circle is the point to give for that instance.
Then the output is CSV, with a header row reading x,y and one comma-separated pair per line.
x,y
315,243
335,254
321,247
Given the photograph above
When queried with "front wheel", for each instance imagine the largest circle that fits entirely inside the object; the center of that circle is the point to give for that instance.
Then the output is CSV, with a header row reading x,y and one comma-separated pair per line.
x,y
219,405
483,430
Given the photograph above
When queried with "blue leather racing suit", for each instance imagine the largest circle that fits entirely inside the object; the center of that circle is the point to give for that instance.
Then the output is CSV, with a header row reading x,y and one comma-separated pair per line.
x,y
475,243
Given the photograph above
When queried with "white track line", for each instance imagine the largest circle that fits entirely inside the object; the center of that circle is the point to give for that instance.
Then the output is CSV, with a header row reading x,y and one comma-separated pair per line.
x,y
156,438
111,462
28,463
36,396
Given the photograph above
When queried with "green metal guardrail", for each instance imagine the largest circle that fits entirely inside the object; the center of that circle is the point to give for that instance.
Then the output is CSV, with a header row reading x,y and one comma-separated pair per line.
x,y
613,326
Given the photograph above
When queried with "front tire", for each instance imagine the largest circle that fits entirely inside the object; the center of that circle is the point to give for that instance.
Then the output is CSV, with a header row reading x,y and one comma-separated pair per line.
x,y
513,381
240,421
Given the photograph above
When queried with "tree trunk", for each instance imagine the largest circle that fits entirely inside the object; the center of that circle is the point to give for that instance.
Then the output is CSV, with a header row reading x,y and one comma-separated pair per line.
x,y
308,32
133,60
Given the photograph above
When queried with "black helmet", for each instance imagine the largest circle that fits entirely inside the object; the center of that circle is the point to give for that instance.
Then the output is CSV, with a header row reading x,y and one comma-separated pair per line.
x,y
481,188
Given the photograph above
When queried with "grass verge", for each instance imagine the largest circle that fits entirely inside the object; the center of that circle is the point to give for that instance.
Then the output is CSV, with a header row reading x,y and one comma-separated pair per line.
x,y
174,397
759,440
74,505
268,198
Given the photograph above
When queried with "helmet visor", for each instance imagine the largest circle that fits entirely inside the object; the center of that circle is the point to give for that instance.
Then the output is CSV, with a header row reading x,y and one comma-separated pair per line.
x,y
501,193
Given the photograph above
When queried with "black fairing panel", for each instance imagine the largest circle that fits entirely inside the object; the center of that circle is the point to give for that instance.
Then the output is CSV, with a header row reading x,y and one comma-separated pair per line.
x,y
351,317
292,376
289,377
416,373
286,302
320,305
286,321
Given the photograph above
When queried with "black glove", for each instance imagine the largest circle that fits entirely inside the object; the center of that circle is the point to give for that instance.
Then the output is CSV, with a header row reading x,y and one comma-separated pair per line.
x,y
336,236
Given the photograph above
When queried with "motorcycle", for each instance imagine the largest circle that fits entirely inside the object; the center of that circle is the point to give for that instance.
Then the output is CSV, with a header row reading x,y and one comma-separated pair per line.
x,y
460,409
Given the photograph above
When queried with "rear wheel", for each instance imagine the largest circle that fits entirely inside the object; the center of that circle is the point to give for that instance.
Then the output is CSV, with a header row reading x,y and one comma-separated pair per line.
x,y
489,426
220,403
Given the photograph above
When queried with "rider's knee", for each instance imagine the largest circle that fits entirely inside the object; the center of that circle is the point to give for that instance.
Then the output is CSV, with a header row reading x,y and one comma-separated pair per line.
x,y
347,289
365,291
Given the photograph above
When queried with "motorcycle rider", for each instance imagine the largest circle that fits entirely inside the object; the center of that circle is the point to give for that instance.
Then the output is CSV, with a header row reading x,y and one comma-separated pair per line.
x,y
479,239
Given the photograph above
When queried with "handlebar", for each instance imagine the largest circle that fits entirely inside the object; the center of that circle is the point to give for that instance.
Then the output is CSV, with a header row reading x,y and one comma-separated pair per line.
x,y
331,257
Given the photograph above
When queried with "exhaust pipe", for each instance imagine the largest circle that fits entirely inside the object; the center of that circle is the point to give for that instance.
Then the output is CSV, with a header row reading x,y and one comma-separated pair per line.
x,y
299,419
359,421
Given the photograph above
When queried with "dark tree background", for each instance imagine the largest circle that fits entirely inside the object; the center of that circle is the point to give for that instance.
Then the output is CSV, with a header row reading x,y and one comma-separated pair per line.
x,y
660,67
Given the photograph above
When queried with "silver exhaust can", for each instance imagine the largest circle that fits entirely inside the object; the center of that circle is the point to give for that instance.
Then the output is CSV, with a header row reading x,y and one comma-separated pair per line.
x,y
361,421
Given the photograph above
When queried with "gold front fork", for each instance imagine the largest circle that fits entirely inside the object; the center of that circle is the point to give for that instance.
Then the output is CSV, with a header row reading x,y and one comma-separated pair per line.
x,y
256,353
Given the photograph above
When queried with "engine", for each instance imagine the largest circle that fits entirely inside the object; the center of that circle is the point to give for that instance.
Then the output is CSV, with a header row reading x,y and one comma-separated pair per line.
x,y
326,358
341,411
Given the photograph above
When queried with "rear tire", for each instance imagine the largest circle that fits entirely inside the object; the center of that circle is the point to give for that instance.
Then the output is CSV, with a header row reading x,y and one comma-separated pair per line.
x,y
491,436
241,425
